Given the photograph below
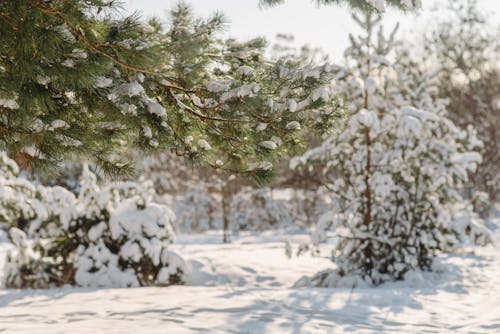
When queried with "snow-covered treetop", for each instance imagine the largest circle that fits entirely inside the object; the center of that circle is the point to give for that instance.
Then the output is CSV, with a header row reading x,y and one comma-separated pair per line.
x,y
367,5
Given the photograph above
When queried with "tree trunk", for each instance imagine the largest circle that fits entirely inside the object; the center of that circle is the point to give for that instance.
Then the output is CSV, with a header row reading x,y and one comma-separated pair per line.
x,y
226,198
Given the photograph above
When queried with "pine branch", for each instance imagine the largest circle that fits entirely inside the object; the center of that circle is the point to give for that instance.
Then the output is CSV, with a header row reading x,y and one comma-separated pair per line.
x,y
39,5
202,116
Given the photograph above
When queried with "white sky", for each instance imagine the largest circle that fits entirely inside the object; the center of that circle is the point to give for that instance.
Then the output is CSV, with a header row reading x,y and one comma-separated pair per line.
x,y
325,26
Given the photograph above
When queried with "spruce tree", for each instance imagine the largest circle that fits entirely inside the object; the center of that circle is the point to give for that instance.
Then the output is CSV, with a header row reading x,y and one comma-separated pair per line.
x,y
83,82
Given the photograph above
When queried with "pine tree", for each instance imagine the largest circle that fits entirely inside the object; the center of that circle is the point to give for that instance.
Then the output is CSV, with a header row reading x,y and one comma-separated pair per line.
x,y
395,171
82,81
52,103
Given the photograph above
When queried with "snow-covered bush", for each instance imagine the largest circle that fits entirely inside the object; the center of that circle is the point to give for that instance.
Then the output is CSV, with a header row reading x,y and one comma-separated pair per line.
x,y
16,195
111,235
396,169
255,209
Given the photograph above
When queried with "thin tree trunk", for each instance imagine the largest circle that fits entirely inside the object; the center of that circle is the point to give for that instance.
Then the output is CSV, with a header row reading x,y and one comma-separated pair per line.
x,y
225,214
368,192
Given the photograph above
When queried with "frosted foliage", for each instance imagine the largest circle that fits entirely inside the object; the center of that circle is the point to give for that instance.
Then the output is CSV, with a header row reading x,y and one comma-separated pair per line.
x,y
109,235
395,171
380,5
257,210
132,100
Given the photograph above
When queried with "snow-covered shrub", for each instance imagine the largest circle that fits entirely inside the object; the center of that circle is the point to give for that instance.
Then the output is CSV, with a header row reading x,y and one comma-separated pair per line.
x,y
25,267
255,209
395,171
16,195
111,235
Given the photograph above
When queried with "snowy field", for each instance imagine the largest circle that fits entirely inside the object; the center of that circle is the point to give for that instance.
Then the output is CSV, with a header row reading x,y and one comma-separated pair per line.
x,y
246,287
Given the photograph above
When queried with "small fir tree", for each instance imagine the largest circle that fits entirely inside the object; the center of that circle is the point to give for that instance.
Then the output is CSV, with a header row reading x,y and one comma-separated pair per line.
x,y
396,169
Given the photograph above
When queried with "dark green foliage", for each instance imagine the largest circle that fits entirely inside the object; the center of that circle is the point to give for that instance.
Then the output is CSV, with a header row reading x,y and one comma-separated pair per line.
x,y
49,68
82,82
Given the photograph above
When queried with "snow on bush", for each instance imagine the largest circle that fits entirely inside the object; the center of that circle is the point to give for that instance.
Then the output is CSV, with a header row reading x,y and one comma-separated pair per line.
x,y
16,195
255,209
107,236
395,171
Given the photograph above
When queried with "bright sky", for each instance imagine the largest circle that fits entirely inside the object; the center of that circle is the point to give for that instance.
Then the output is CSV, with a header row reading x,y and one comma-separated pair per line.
x,y
325,26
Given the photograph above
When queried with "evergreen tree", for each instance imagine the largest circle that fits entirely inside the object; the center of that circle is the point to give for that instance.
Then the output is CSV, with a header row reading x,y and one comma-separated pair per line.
x,y
82,81
395,171
52,103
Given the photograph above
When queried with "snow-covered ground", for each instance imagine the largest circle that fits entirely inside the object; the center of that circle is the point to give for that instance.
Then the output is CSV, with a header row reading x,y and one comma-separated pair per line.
x,y
246,287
